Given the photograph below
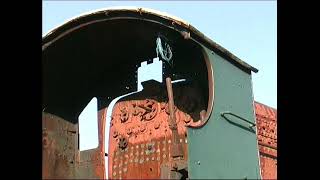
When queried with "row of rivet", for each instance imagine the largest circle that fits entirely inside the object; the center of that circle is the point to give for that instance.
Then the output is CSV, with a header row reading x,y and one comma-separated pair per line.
x,y
125,169
136,160
142,146
141,160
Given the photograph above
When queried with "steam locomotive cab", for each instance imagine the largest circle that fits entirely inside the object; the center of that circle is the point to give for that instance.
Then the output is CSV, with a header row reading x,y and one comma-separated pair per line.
x,y
171,103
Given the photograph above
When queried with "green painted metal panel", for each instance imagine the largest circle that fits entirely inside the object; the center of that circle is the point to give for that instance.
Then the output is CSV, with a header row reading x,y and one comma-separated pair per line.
x,y
224,149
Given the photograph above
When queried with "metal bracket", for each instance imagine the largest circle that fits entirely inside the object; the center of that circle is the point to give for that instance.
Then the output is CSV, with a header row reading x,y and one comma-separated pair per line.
x,y
243,119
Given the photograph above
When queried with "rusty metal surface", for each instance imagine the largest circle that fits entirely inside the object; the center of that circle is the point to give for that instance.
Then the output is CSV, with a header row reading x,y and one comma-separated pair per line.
x,y
148,140
176,150
61,158
267,140
58,152
142,14
141,141
148,150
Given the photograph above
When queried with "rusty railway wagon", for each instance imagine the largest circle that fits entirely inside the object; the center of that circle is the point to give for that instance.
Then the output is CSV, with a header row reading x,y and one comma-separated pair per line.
x,y
171,103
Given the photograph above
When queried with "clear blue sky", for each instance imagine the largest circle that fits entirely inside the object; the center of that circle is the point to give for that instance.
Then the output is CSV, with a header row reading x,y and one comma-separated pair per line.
x,y
246,28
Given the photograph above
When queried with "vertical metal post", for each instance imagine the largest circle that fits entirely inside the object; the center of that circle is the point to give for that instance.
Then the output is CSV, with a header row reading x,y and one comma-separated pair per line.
x,y
176,146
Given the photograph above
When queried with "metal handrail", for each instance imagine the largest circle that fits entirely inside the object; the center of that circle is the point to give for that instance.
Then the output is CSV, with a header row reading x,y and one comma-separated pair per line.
x,y
230,113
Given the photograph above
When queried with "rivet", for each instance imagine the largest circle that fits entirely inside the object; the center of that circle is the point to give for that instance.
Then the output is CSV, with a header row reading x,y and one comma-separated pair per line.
x,y
131,154
142,145
164,156
137,146
186,140
114,167
158,158
141,161
141,153
120,171
114,173
156,125
180,140
147,159
125,169
131,160
158,150
169,141
136,160
152,158
125,162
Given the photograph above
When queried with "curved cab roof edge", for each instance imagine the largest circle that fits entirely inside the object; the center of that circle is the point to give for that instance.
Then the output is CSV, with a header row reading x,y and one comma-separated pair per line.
x,y
150,14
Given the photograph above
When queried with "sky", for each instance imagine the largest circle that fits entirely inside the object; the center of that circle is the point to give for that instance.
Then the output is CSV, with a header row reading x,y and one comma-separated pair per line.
x,y
248,29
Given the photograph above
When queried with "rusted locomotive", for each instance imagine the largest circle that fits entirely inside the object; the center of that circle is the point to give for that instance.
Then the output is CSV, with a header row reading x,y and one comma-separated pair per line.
x,y
172,104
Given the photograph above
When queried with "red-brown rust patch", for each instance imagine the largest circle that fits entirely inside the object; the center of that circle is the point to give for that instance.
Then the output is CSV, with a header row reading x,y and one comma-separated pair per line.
x,y
149,140
267,137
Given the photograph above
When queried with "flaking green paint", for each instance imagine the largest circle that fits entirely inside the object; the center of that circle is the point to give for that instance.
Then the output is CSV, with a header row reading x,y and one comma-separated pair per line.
x,y
220,149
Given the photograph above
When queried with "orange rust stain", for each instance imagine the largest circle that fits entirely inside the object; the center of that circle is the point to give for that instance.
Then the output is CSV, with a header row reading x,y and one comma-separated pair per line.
x,y
99,155
99,167
268,168
140,139
267,137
